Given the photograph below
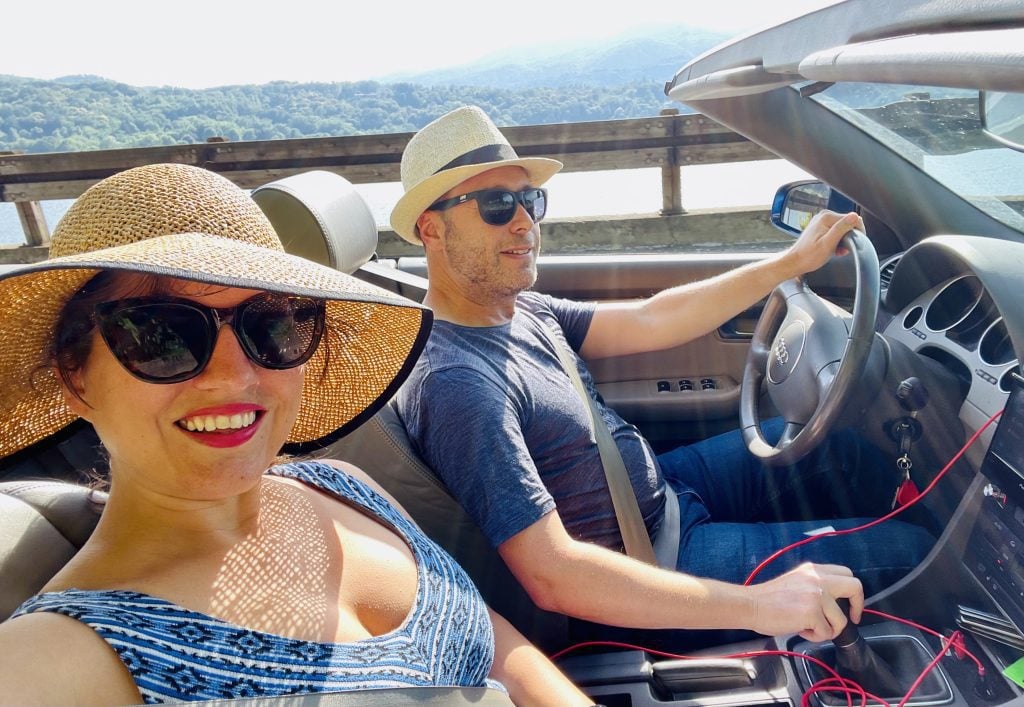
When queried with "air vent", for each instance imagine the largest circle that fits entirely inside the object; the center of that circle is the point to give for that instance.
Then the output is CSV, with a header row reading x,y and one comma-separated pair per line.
x,y
885,274
1006,380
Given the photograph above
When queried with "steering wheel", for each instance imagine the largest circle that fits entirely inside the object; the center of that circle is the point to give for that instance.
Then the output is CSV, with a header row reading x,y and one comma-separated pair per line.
x,y
812,354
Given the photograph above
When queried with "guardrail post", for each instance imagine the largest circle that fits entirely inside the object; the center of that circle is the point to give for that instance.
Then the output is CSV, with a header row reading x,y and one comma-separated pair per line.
x,y
33,223
33,220
671,181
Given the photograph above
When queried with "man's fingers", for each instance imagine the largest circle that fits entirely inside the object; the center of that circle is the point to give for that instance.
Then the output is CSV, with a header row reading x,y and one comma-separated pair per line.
x,y
834,615
844,225
847,587
820,629
840,570
853,220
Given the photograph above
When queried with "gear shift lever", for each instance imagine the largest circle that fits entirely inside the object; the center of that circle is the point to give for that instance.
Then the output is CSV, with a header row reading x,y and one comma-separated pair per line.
x,y
857,661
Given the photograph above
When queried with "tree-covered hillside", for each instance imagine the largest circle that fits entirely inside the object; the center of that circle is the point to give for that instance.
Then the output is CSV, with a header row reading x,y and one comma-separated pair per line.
x,y
89,113
596,81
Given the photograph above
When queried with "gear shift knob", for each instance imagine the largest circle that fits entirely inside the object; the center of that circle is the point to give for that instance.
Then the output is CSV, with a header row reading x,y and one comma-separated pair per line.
x,y
857,661
850,633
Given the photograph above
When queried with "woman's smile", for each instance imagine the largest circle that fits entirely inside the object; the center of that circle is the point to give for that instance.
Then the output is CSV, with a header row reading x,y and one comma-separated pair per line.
x,y
224,425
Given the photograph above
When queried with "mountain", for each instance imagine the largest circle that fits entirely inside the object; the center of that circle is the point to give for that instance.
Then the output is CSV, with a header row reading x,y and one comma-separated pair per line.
x,y
652,53
623,77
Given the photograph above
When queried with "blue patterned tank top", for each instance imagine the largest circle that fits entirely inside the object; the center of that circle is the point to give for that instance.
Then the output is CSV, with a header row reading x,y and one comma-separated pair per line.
x,y
176,654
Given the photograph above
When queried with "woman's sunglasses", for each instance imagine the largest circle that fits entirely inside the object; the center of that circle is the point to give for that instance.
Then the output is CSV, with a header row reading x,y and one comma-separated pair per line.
x,y
169,340
498,206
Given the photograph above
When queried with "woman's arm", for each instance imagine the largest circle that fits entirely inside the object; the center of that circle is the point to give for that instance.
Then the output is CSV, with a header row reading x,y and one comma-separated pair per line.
x,y
49,659
530,677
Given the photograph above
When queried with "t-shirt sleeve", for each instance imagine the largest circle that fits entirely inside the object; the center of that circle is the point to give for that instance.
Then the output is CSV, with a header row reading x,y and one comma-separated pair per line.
x,y
572,317
469,432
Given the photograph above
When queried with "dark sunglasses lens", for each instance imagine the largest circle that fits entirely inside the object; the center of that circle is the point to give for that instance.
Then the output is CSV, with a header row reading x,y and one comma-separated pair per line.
x,y
536,203
158,341
279,331
497,207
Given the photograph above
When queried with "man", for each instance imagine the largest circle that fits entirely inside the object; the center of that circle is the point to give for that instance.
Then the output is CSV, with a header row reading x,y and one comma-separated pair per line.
x,y
496,416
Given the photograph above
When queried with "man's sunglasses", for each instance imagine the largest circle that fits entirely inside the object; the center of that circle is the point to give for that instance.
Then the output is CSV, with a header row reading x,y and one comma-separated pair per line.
x,y
169,340
498,206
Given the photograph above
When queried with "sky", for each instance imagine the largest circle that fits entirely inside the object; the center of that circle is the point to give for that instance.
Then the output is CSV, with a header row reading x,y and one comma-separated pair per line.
x,y
204,43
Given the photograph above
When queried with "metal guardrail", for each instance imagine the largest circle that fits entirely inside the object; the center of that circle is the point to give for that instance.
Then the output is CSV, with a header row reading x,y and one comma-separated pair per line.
x,y
668,141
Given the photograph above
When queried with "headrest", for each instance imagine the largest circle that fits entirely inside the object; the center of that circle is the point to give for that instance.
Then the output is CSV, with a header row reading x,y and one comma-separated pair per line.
x,y
319,215
42,526
71,508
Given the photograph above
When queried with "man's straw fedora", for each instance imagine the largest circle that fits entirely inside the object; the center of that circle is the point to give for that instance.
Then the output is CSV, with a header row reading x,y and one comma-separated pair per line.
x,y
185,222
447,152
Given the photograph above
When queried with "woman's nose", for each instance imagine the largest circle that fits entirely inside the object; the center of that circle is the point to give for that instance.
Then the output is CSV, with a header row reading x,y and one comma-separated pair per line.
x,y
228,363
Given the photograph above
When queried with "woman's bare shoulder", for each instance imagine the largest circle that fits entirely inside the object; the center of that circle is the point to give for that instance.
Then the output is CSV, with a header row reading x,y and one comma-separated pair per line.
x,y
357,473
53,659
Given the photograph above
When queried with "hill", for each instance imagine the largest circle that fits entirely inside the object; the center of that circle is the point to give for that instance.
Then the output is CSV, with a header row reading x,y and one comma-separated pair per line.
x,y
619,78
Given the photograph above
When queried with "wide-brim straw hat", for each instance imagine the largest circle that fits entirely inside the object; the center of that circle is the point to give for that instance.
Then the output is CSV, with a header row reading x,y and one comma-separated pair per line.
x,y
443,154
189,223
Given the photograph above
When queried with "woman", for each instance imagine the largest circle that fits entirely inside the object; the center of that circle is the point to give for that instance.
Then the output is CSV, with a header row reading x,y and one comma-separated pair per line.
x,y
170,318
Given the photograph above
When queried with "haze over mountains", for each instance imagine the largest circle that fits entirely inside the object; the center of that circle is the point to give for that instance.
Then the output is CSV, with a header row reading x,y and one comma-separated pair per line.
x,y
622,77
652,53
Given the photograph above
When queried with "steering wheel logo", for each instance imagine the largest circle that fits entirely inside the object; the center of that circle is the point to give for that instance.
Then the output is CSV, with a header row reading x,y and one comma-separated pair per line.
x,y
781,352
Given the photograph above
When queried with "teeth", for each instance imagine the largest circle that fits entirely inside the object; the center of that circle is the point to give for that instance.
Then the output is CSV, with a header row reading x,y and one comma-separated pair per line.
x,y
208,423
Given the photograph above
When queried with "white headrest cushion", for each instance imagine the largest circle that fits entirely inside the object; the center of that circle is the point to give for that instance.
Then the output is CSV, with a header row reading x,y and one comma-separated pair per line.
x,y
319,215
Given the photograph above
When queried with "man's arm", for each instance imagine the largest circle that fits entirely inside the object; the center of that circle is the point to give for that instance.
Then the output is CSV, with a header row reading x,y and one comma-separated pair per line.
x,y
591,582
681,314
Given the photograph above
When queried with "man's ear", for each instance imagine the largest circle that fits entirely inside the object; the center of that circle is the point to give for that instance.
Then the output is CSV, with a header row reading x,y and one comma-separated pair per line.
x,y
429,225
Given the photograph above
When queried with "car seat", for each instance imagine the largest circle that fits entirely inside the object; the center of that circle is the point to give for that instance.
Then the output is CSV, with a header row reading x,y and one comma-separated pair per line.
x,y
46,511
43,523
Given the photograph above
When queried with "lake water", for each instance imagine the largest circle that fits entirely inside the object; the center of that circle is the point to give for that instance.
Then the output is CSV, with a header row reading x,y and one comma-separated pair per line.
x,y
576,194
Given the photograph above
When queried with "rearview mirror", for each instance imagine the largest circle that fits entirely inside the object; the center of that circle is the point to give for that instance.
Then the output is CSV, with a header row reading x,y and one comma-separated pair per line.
x,y
797,202
1002,117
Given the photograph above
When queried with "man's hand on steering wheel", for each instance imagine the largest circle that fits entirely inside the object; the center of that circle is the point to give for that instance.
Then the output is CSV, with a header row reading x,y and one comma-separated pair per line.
x,y
820,241
809,353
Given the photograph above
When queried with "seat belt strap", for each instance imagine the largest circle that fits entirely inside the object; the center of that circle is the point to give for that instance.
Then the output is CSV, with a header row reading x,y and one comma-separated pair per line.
x,y
666,545
627,511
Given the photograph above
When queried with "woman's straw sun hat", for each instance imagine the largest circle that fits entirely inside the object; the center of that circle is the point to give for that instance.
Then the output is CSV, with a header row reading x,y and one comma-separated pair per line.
x,y
189,223
443,154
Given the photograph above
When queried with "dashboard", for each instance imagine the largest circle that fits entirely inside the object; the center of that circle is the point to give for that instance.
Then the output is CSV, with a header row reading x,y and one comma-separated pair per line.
x,y
957,323
959,301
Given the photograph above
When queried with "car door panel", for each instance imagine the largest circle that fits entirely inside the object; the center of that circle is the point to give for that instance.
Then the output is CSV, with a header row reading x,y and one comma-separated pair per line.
x,y
679,394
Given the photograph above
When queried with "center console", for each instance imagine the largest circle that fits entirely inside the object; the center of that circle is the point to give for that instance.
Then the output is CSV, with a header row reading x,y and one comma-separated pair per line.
x,y
995,553
973,581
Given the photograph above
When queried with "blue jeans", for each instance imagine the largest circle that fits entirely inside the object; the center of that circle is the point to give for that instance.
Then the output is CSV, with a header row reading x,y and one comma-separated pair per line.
x,y
733,514
736,511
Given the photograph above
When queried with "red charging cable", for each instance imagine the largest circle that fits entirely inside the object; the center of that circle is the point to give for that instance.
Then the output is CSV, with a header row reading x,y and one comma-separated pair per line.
x,y
832,533
835,683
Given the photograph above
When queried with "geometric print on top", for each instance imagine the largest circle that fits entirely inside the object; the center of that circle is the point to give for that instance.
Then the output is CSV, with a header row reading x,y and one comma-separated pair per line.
x,y
175,654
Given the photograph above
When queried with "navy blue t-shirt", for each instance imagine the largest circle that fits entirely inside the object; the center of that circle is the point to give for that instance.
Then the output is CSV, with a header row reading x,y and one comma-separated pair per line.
x,y
494,414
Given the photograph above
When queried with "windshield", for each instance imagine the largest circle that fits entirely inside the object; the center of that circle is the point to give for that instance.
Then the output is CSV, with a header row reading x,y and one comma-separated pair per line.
x,y
939,130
